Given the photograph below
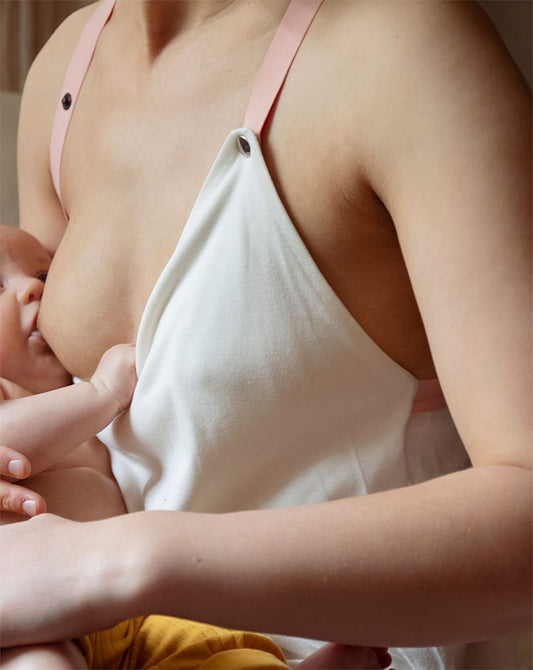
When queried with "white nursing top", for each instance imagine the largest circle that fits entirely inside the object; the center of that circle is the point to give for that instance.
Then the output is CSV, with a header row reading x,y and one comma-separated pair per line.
x,y
256,386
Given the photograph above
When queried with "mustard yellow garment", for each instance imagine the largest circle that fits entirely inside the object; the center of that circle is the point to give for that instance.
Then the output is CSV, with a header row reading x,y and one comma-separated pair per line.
x,y
167,643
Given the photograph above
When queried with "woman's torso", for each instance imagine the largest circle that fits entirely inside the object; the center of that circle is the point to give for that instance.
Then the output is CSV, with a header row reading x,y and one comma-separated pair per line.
x,y
242,333
233,410
176,113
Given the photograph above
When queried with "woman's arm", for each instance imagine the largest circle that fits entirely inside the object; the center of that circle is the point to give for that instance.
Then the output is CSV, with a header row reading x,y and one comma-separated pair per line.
x,y
40,211
46,426
418,566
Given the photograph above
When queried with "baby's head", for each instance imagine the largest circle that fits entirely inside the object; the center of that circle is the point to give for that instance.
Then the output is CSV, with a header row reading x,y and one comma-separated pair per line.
x,y
25,357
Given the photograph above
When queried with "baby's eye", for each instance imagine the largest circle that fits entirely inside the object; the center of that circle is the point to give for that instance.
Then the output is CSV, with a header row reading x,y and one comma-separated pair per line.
x,y
42,276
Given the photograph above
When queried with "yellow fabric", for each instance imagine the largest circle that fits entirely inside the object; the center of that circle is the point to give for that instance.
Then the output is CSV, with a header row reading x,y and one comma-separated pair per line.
x,y
167,643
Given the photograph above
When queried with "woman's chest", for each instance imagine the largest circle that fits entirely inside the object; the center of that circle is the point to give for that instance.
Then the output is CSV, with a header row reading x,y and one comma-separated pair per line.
x,y
129,186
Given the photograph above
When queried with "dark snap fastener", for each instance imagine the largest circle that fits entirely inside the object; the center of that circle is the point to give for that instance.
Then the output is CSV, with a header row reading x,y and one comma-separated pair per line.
x,y
66,101
244,145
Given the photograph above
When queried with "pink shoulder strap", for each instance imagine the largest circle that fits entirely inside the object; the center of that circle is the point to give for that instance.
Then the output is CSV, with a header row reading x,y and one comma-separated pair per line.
x,y
278,60
76,72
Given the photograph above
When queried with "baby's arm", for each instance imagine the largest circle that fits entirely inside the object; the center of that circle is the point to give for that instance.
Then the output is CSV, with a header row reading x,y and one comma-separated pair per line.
x,y
45,427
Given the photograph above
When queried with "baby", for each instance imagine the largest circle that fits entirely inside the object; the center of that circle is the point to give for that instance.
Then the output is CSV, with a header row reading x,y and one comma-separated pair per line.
x,y
44,416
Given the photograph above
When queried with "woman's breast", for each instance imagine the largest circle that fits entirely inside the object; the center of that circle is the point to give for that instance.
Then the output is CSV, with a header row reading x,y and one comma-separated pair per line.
x,y
95,294
125,219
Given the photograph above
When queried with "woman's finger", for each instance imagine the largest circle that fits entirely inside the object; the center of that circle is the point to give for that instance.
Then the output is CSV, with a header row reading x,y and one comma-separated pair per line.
x,y
13,464
20,500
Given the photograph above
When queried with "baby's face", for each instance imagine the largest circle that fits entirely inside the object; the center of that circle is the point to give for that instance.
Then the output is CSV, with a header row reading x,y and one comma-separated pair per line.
x,y
25,357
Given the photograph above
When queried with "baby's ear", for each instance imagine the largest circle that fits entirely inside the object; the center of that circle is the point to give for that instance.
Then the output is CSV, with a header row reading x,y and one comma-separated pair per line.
x,y
11,391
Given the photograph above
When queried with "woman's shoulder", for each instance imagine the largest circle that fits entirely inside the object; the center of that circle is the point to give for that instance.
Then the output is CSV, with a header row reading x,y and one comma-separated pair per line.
x,y
399,67
50,65
47,72
385,63
372,56
40,211
383,30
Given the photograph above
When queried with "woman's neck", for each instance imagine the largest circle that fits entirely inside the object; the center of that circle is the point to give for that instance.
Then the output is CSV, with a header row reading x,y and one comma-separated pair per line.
x,y
159,21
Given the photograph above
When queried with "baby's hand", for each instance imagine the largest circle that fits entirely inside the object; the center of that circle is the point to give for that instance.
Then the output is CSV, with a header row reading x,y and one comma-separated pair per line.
x,y
116,374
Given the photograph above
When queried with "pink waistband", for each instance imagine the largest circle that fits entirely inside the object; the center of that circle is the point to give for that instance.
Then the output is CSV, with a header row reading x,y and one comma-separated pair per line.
x,y
429,396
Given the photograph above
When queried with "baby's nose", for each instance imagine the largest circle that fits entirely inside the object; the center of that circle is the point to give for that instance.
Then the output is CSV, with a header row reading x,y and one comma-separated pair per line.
x,y
30,289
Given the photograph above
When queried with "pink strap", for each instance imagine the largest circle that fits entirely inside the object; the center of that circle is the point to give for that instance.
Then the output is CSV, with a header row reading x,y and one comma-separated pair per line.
x,y
76,72
278,60
429,396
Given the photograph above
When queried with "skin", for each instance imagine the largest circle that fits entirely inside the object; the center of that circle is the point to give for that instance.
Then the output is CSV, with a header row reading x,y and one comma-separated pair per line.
x,y
25,357
420,225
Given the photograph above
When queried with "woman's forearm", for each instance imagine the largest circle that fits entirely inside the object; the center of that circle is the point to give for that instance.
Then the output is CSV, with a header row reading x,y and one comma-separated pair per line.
x,y
45,427
446,561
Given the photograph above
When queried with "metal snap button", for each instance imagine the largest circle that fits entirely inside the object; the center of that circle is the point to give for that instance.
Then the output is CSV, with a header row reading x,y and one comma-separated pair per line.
x,y
244,145
66,101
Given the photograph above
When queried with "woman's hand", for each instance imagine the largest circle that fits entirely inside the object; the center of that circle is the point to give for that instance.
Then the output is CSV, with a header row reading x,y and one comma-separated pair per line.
x,y
60,579
13,497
